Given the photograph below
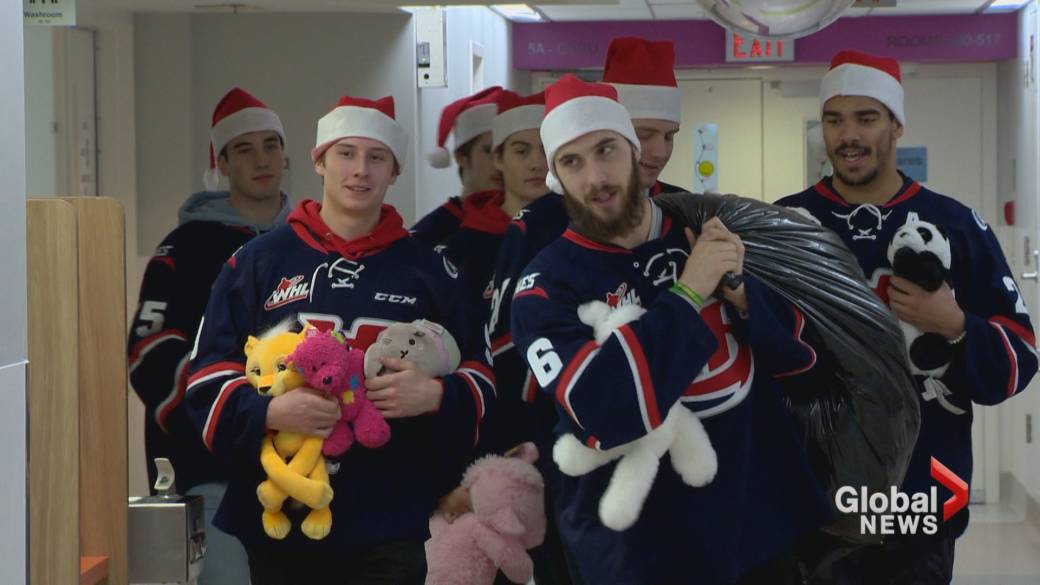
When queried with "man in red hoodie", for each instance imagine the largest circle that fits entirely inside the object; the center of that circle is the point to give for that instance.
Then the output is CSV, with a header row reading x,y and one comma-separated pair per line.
x,y
346,263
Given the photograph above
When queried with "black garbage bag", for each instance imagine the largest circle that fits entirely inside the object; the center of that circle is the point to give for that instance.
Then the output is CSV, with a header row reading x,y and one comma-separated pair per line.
x,y
860,413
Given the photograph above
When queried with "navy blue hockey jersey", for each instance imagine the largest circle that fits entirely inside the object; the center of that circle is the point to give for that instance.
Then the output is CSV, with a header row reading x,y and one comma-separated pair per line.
x,y
440,223
997,358
473,248
716,363
174,292
303,272
532,229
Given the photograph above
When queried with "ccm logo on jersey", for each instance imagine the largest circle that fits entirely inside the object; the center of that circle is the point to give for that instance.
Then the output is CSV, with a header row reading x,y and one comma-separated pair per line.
x,y
289,290
395,299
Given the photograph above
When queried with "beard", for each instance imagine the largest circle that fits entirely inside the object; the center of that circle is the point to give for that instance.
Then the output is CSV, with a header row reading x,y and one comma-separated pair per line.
x,y
870,176
589,224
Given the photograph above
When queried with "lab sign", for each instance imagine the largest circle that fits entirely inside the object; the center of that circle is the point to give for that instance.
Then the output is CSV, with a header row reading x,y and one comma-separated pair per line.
x,y
748,49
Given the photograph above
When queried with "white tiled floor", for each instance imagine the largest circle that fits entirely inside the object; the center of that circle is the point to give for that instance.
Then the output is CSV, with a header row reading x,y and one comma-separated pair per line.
x,y
999,548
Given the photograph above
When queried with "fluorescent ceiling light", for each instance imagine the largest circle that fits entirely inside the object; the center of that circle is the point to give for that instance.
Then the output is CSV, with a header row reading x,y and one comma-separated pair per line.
x,y
518,12
1006,5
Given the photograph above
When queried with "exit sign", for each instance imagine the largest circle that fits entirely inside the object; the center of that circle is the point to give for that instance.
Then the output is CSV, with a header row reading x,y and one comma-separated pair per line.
x,y
747,49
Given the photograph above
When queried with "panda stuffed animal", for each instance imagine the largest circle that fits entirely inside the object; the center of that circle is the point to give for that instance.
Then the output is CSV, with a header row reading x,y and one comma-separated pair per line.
x,y
920,252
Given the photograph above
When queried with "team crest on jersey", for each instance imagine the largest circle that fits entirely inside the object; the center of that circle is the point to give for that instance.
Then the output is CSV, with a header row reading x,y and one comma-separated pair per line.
x,y
623,297
663,267
342,273
864,221
726,379
289,290
880,281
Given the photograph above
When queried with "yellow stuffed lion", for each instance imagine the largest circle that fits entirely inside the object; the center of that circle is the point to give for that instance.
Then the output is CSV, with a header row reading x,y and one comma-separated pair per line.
x,y
294,464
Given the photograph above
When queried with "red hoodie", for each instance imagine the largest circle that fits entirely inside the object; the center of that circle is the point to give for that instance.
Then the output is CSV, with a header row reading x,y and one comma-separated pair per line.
x,y
307,223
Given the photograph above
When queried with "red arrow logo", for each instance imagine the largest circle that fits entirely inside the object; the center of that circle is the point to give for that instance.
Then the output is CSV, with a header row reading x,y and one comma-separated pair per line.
x,y
950,481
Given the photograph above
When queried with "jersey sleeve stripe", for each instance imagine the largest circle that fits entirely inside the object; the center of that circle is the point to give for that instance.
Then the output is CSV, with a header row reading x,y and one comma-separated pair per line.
x,y
1012,360
1015,327
180,383
209,431
478,402
571,375
641,379
534,292
215,371
149,343
799,329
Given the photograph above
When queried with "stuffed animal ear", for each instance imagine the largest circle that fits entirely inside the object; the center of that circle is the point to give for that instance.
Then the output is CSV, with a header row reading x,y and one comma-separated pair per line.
x,y
525,452
251,345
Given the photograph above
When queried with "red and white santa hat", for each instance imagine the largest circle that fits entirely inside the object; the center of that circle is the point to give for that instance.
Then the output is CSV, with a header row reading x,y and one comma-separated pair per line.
x,y
643,72
467,118
574,108
515,114
857,73
362,118
237,113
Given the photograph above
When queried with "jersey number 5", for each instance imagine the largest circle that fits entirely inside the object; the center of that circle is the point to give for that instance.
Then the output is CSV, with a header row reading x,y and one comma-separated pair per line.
x,y
152,317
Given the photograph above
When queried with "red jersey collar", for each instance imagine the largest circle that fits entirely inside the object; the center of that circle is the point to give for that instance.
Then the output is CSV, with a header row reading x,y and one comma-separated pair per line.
x,y
825,188
483,212
307,223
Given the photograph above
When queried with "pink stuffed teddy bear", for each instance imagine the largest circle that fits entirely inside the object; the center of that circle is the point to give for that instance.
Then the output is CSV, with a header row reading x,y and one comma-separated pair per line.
x,y
508,518
329,365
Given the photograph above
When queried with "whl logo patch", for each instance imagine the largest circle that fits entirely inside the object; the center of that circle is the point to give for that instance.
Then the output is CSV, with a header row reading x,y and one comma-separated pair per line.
x,y
896,512
289,290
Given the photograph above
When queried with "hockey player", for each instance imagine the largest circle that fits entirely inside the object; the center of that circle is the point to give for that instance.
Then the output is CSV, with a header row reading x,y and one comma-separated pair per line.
x,y
981,314
520,158
715,353
247,142
469,121
346,263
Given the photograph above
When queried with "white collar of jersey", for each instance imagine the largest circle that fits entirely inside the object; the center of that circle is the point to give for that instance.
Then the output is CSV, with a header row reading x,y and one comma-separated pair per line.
x,y
656,222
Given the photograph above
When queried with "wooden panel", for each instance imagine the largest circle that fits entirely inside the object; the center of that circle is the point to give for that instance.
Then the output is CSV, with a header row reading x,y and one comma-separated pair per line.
x,y
93,570
103,383
53,392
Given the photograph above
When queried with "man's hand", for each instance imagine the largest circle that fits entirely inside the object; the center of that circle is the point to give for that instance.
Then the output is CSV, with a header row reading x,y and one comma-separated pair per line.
x,y
716,252
931,312
455,504
305,411
405,391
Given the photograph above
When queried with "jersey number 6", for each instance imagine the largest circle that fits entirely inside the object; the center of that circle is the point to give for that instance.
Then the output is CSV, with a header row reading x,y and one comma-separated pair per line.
x,y
544,362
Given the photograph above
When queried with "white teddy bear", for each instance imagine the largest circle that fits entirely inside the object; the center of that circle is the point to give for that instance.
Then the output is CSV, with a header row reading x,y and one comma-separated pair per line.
x,y
681,435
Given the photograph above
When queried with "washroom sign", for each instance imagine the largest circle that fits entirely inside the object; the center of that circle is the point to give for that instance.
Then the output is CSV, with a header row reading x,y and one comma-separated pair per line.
x,y
49,12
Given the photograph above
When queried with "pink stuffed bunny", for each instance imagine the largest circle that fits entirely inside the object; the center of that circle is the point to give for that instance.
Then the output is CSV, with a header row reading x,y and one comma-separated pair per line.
x,y
508,518
329,365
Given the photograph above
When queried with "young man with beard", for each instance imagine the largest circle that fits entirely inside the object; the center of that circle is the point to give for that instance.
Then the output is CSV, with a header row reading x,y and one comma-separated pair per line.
x,y
713,350
469,121
981,315
341,264
247,145
643,74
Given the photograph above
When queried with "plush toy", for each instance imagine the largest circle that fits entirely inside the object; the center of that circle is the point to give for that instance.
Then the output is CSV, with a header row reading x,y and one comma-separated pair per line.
x,y
430,346
920,252
508,518
328,364
681,435
293,463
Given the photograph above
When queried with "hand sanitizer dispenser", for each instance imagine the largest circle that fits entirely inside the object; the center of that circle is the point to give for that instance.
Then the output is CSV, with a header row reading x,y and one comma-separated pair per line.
x,y
167,538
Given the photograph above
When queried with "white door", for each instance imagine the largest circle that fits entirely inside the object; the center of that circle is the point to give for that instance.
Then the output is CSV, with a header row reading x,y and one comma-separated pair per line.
x,y
736,106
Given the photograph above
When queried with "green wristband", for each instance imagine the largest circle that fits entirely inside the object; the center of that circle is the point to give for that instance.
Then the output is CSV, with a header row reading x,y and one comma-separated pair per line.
x,y
689,293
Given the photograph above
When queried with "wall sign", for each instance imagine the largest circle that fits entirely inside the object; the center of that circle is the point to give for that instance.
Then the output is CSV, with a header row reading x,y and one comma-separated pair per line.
x,y
49,12
746,49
